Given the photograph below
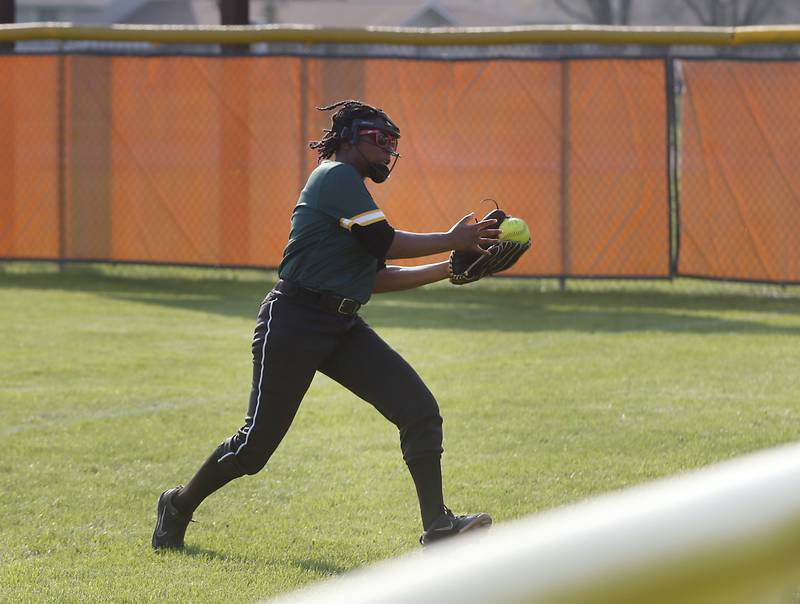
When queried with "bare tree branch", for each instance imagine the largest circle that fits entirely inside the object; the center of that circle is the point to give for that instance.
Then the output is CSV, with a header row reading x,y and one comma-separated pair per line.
x,y
698,12
575,14
755,11
624,12
603,13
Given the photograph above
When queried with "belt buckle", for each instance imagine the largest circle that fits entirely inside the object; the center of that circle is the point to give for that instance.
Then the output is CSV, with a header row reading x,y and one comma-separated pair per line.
x,y
345,303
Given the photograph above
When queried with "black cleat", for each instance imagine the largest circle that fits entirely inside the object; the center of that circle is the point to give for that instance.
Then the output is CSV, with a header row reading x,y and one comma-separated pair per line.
x,y
449,525
170,523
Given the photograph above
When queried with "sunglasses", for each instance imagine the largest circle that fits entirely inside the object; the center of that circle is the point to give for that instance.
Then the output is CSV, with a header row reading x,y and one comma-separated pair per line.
x,y
381,139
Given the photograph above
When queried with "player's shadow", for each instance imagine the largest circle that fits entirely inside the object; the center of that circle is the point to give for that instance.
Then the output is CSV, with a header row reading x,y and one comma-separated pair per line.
x,y
206,554
320,567
323,568
493,305
581,311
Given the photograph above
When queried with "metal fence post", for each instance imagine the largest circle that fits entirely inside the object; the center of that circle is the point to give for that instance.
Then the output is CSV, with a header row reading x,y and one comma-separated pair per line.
x,y
62,160
565,169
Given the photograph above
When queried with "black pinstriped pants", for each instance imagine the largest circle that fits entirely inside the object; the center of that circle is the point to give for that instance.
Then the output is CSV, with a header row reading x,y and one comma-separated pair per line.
x,y
292,341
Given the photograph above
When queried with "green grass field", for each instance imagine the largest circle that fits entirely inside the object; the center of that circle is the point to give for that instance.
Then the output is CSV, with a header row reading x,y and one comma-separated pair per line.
x,y
118,382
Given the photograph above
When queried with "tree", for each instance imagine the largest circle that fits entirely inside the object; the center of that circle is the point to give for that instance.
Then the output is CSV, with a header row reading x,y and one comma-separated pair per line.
x,y
599,12
8,14
730,12
234,12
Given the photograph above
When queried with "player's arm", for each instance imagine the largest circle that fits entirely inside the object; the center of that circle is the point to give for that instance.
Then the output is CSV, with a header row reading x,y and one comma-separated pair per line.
x,y
344,196
464,236
395,278
377,238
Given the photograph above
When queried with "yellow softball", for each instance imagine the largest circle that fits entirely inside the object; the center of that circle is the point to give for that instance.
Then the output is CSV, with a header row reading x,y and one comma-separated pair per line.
x,y
514,229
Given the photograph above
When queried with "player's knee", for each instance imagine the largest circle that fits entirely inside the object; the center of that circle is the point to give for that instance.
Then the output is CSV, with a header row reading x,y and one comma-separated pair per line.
x,y
251,464
248,458
418,407
252,461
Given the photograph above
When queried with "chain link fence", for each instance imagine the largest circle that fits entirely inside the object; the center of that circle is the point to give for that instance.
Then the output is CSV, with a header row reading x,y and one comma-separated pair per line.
x,y
624,167
739,195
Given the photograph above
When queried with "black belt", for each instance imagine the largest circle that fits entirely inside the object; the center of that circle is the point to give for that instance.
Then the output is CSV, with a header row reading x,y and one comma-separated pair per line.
x,y
323,300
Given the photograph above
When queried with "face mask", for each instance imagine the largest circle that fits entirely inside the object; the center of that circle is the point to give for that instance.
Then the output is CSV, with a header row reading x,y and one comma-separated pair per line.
x,y
378,172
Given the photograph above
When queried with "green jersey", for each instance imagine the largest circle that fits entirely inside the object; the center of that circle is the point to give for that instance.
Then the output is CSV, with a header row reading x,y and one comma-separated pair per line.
x,y
322,254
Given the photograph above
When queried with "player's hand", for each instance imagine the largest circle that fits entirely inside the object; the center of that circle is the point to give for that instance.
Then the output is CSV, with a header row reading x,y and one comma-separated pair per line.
x,y
469,236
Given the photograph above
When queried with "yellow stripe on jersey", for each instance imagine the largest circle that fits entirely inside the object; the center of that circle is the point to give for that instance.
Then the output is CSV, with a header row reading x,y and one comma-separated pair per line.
x,y
363,219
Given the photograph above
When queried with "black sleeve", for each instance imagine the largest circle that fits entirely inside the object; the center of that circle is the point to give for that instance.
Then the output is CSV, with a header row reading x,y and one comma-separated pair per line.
x,y
376,237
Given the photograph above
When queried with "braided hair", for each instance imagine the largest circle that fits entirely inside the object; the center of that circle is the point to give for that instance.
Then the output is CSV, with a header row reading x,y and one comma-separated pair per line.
x,y
347,112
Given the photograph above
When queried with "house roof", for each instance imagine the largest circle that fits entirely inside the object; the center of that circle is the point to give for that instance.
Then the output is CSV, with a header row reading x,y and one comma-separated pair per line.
x,y
96,4
358,13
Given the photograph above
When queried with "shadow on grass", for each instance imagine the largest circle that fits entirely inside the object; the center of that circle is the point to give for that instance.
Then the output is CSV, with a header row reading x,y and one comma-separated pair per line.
x,y
202,552
320,567
497,304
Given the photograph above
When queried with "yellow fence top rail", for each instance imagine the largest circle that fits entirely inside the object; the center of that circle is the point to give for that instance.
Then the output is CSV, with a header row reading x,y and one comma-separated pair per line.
x,y
408,36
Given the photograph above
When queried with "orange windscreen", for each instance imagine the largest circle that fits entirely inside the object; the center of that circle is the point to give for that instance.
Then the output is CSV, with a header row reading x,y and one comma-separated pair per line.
x,y
29,158
618,221
199,160
740,171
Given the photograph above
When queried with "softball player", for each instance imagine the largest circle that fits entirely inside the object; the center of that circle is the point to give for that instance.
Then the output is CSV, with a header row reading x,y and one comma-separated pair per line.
x,y
309,322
